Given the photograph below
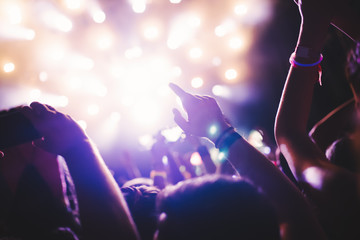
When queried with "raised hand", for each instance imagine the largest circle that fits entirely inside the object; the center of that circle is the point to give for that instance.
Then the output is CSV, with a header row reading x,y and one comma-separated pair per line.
x,y
60,132
205,118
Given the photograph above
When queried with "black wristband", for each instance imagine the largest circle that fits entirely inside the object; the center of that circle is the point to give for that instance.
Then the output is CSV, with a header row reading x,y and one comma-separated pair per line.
x,y
222,135
228,141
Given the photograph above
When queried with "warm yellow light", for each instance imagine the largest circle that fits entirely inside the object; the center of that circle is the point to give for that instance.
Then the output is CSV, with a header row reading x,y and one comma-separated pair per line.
x,y
9,67
197,82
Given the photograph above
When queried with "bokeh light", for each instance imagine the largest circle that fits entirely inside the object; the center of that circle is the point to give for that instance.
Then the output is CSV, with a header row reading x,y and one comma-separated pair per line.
x,y
109,63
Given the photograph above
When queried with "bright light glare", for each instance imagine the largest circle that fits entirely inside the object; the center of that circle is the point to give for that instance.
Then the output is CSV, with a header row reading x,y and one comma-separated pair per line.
x,y
74,4
9,67
151,32
231,74
13,14
176,71
241,9
93,109
175,1
134,52
197,82
182,30
235,43
146,140
98,16
195,53
138,6
172,134
226,27
195,159
35,94
115,116
43,76
213,130
221,91
146,112
256,139
57,21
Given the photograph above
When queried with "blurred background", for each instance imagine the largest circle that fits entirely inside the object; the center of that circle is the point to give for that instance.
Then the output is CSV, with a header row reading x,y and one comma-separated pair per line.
x,y
108,63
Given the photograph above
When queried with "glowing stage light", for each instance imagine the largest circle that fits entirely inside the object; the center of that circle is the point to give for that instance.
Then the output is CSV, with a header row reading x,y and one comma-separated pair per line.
x,y
172,134
226,27
213,130
76,61
93,109
35,94
134,52
182,30
151,33
165,160
74,4
16,32
43,76
231,74
98,16
115,116
195,53
216,61
10,13
175,1
195,159
146,140
221,91
176,71
138,6
58,22
255,139
236,43
197,82
146,112
9,67
241,9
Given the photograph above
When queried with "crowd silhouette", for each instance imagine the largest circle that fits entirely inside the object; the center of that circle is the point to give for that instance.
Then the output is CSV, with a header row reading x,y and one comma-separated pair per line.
x,y
55,185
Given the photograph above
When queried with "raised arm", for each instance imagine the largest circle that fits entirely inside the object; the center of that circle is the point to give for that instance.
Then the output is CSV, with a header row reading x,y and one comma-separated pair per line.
x,y
205,119
103,210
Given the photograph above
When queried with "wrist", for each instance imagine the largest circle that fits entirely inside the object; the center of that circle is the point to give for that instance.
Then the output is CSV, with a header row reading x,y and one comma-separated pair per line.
x,y
216,130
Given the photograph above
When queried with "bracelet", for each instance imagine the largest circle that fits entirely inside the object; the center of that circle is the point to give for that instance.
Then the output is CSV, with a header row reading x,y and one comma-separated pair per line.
x,y
294,63
222,135
225,145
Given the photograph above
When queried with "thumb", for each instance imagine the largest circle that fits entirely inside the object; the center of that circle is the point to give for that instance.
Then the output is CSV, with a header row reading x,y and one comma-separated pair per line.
x,y
183,124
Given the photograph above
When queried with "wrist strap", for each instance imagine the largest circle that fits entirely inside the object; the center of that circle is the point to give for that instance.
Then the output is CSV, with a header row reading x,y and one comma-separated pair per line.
x,y
222,136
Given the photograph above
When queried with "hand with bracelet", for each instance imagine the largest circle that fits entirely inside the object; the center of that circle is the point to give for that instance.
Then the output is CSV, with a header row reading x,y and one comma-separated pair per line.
x,y
293,211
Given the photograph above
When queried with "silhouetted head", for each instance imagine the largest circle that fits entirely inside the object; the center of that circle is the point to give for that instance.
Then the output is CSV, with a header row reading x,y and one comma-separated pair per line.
x,y
142,205
215,207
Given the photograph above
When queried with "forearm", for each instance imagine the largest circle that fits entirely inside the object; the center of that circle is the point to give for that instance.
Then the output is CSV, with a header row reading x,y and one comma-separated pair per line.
x,y
292,208
103,210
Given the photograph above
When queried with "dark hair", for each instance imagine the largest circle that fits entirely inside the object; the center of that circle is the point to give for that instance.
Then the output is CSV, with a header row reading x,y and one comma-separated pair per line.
x,y
142,205
215,207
